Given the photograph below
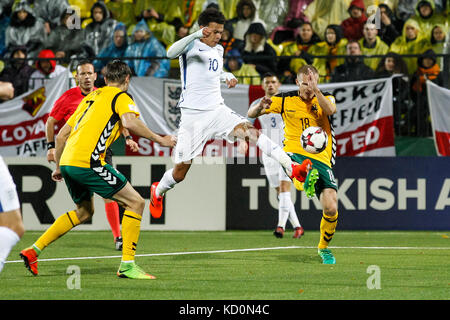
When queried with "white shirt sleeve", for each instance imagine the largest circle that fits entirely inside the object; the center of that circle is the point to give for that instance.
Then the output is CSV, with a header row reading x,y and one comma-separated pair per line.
x,y
226,76
183,45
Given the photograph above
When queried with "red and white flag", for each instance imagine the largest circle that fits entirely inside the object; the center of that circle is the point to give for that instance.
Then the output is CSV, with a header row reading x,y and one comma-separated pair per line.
x,y
438,102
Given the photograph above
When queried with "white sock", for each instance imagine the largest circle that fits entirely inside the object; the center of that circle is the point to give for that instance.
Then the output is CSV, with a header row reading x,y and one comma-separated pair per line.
x,y
274,151
283,208
293,219
8,240
167,182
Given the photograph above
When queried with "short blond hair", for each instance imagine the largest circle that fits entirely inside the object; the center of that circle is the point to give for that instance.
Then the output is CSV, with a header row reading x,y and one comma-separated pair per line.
x,y
305,70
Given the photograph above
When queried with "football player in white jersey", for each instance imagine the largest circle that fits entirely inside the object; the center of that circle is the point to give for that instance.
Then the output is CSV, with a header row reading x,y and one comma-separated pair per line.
x,y
11,225
204,115
272,125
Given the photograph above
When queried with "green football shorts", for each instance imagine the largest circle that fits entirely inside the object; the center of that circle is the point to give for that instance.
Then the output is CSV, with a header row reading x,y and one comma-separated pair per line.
x,y
326,175
106,181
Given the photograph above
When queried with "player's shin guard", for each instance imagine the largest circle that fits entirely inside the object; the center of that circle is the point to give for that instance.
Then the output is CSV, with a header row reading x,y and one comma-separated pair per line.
x,y
327,229
131,228
61,225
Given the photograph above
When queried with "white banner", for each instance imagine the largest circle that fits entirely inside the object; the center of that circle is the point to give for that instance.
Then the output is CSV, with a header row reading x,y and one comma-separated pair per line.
x,y
438,101
22,119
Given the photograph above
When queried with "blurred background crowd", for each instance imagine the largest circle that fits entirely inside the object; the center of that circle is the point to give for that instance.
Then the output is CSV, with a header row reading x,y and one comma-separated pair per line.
x,y
346,40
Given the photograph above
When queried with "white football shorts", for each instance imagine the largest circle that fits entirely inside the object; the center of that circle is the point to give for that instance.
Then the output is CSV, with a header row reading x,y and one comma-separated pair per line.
x,y
197,127
274,171
8,194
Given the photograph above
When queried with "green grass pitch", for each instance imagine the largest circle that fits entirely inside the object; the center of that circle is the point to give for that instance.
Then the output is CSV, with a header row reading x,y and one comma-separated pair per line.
x,y
237,265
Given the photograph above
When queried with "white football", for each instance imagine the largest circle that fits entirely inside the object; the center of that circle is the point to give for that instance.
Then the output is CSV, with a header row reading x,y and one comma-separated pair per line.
x,y
314,140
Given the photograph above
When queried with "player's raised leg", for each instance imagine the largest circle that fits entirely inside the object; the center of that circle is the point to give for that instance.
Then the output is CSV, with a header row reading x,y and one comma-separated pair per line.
x,y
247,131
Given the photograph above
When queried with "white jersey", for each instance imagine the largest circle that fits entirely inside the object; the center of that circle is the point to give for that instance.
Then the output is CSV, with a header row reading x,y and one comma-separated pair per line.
x,y
8,194
201,68
272,125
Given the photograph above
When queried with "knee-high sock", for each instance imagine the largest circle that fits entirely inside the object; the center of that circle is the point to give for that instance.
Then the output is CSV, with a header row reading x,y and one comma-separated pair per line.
x,y
131,228
8,239
167,182
293,219
283,208
327,229
61,225
112,214
274,151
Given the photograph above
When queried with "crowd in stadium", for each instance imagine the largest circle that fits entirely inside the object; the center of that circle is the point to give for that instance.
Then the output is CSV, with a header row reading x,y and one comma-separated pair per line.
x,y
259,36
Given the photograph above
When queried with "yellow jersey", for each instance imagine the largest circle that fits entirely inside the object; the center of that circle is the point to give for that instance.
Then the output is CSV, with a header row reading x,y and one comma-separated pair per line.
x,y
299,115
95,126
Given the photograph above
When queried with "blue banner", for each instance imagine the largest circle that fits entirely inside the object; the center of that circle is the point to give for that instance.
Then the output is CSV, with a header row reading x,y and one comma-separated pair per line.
x,y
375,193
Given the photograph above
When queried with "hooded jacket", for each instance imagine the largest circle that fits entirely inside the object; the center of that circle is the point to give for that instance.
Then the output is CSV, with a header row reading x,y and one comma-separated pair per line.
x,y
50,10
29,33
388,33
252,56
38,77
351,27
427,23
150,47
402,46
380,48
112,51
324,48
98,34
423,73
17,72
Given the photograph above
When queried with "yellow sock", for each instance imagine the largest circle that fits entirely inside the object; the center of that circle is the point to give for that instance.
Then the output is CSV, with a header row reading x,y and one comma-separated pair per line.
x,y
61,225
327,229
131,227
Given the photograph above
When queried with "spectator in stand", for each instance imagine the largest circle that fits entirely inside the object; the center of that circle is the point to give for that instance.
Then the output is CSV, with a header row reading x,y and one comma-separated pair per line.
x,y
25,29
333,45
116,49
305,39
371,44
245,73
246,15
57,40
163,31
437,42
427,69
122,11
393,64
390,25
427,17
352,27
17,72
50,12
228,41
256,49
294,18
146,45
97,34
45,69
322,13
353,69
180,30
406,9
410,42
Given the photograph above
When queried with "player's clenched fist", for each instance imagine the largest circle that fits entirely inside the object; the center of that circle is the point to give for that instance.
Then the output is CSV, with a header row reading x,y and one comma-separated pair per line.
x,y
265,103
206,32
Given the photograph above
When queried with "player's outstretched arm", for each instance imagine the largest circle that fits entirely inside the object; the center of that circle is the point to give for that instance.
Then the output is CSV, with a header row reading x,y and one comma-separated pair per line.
x,y
136,126
259,108
182,45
